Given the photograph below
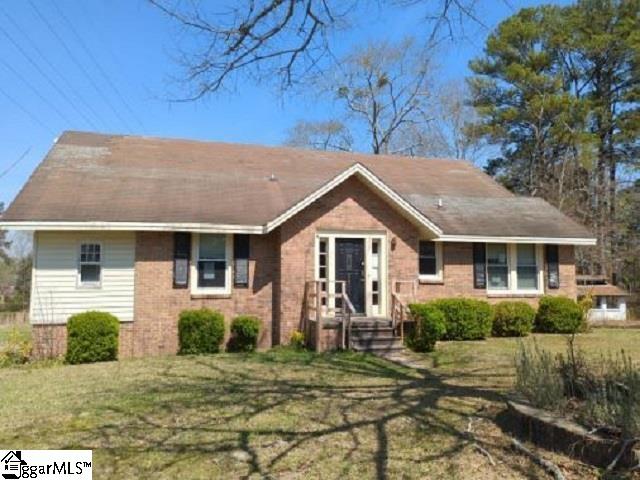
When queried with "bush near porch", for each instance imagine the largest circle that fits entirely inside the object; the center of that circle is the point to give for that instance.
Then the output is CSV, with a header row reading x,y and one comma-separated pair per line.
x,y
429,327
465,318
200,331
470,319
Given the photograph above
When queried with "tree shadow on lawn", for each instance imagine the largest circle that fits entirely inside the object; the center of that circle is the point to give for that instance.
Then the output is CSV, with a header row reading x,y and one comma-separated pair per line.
x,y
331,415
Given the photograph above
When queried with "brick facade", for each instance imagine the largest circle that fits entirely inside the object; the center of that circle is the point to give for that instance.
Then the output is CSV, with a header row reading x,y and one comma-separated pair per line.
x,y
280,264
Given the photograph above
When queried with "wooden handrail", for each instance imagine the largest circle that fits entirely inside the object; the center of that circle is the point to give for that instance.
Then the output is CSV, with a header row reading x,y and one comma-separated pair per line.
x,y
350,309
398,313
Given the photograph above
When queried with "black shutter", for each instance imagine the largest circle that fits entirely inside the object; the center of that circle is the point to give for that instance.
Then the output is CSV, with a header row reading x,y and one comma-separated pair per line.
x,y
241,260
553,267
181,256
479,266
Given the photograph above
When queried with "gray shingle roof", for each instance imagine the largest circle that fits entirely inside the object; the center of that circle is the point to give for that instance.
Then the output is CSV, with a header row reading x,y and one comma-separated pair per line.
x,y
114,178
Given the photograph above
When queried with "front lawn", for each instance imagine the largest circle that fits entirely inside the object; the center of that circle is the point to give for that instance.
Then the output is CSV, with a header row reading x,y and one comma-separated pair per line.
x,y
284,414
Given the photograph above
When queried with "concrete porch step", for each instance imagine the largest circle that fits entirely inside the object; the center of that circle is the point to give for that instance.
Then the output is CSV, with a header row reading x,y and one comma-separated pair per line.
x,y
370,323
365,334
377,344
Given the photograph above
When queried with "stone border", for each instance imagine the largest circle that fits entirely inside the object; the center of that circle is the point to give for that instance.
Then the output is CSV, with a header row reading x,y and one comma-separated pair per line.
x,y
555,432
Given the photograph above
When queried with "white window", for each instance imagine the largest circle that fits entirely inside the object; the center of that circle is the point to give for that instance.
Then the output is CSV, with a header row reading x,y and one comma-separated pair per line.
x,y
514,268
527,268
497,267
430,260
212,263
90,264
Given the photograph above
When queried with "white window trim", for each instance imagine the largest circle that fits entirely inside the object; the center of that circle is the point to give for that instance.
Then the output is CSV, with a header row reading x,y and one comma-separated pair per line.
x,y
79,282
193,268
512,263
438,277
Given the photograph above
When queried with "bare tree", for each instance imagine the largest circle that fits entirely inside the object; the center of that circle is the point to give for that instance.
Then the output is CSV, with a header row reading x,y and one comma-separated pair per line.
x,y
383,88
281,40
320,135
452,131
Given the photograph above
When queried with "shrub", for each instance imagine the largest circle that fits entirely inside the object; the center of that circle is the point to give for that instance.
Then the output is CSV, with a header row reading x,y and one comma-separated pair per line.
x,y
513,319
200,331
17,348
428,329
297,340
245,330
465,319
559,315
537,377
601,394
92,337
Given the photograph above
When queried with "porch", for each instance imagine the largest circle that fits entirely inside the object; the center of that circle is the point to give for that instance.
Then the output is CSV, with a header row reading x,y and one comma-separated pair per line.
x,y
332,322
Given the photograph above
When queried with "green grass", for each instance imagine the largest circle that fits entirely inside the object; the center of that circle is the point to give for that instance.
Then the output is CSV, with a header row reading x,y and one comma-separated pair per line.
x,y
283,414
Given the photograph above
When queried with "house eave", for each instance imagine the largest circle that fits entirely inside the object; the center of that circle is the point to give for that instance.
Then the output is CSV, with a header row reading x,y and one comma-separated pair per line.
x,y
582,241
128,226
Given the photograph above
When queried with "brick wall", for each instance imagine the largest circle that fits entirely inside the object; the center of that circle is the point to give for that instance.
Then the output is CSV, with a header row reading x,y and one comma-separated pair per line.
x,y
350,206
158,305
458,276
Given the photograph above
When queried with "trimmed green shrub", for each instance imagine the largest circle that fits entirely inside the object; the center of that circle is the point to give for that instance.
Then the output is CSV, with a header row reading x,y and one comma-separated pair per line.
x,y
513,319
559,315
429,327
465,318
92,337
245,330
200,331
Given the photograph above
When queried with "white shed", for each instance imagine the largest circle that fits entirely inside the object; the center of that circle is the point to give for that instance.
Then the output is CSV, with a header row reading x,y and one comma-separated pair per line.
x,y
609,302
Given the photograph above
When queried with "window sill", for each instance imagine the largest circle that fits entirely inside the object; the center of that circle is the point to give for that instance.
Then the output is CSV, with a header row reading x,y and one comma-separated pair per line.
x,y
428,280
212,295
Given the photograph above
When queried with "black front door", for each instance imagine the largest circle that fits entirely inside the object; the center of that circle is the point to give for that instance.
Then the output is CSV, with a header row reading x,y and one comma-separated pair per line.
x,y
350,268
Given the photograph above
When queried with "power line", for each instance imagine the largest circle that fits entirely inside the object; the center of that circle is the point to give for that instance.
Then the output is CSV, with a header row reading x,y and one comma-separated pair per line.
x,y
45,76
44,99
44,58
7,170
104,74
27,112
79,65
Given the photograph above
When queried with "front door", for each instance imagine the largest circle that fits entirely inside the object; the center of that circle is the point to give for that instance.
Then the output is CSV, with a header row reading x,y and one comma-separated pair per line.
x,y
350,268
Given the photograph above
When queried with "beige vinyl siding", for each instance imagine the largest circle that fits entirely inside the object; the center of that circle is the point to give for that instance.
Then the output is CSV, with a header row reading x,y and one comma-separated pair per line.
x,y
56,293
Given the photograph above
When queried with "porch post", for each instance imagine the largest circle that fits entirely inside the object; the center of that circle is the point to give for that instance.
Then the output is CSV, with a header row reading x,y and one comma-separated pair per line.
x,y
318,317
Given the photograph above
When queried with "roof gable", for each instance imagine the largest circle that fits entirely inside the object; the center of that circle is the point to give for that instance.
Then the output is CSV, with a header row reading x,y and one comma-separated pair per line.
x,y
364,174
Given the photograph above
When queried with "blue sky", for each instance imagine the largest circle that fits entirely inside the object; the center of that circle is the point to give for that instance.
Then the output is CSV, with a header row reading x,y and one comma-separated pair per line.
x,y
106,65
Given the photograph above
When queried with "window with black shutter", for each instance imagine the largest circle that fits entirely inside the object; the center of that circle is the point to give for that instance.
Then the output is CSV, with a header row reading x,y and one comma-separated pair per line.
x,y
553,267
181,256
479,266
241,260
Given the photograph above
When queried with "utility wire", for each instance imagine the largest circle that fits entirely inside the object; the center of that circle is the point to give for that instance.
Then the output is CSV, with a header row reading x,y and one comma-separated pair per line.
x,y
16,162
45,76
104,74
106,45
44,99
79,65
44,58
27,112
